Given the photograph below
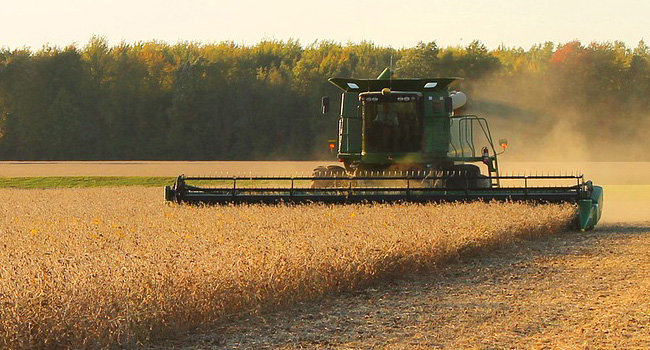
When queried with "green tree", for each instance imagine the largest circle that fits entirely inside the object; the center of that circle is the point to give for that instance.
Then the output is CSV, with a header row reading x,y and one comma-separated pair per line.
x,y
420,61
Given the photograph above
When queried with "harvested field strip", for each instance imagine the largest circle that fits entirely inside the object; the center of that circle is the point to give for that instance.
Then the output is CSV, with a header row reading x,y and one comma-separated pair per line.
x,y
84,268
569,291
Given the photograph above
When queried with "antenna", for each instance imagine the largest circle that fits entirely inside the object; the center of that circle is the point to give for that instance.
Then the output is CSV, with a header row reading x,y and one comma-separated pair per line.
x,y
390,74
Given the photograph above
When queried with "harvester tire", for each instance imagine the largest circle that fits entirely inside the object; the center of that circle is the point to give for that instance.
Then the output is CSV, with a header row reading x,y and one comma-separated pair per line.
x,y
483,182
319,172
338,171
331,171
463,176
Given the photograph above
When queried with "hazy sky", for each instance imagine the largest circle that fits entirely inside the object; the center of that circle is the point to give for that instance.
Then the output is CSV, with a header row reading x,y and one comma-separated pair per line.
x,y
33,23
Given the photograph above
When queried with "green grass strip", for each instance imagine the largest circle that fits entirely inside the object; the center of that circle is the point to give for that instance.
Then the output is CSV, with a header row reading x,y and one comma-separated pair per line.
x,y
83,181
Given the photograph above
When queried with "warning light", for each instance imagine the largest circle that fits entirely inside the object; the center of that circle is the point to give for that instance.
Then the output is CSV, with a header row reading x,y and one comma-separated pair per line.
x,y
504,145
332,144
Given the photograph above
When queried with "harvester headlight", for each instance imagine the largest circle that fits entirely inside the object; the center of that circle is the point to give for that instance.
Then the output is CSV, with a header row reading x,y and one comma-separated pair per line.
x,y
400,98
407,98
375,99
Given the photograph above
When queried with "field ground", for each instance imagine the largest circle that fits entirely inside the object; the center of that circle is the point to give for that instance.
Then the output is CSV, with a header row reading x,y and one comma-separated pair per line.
x,y
567,291
42,182
626,204
570,291
153,168
99,267
606,173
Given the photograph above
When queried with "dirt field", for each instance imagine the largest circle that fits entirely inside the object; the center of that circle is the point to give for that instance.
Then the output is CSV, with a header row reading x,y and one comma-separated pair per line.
x,y
571,291
606,173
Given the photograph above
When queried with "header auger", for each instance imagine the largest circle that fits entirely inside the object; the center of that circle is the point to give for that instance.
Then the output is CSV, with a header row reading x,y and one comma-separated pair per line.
x,y
401,140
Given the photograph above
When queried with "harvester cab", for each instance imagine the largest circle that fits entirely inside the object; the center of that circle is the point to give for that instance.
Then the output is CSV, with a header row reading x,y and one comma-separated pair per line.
x,y
401,140
410,125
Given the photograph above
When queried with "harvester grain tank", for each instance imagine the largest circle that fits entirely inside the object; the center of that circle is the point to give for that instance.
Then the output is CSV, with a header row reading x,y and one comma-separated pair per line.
x,y
402,140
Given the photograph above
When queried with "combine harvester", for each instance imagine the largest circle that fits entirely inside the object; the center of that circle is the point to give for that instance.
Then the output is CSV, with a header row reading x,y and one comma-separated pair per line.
x,y
400,140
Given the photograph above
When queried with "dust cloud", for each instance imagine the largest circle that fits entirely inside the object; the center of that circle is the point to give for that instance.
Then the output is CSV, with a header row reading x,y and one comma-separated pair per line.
x,y
544,123
555,132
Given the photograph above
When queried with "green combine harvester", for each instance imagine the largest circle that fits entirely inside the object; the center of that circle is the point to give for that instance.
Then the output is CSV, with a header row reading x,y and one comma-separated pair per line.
x,y
400,140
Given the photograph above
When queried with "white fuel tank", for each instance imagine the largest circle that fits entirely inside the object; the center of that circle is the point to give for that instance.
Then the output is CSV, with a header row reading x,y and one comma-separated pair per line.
x,y
458,99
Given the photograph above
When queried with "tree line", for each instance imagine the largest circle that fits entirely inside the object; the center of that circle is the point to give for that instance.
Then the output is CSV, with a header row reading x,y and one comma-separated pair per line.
x,y
225,101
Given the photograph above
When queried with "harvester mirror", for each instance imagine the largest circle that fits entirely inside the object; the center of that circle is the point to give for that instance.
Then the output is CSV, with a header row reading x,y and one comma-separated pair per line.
x,y
325,104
